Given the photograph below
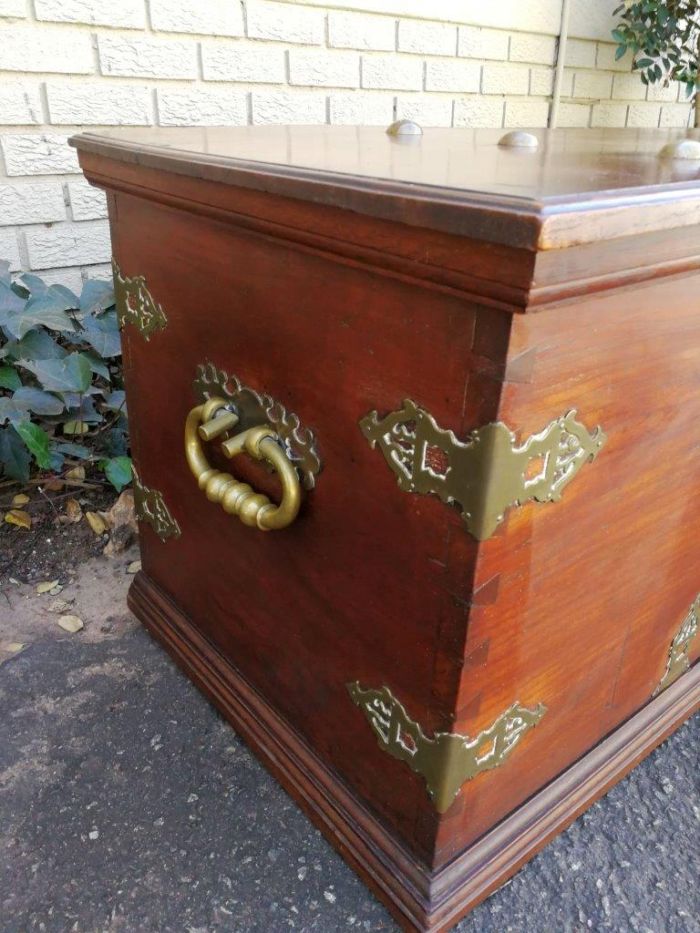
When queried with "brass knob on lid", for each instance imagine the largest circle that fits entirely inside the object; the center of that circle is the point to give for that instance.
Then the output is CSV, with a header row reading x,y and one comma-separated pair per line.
x,y
519,139
404,128
686,149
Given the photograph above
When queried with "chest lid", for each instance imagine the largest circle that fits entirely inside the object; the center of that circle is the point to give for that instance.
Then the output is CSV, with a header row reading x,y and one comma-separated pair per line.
x,y
571,186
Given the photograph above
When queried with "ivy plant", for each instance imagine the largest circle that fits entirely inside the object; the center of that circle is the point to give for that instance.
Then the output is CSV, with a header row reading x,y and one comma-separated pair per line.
x,y
61,389
664,38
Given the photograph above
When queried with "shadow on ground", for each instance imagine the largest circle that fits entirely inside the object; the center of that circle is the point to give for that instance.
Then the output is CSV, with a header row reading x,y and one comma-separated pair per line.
x,y
127,804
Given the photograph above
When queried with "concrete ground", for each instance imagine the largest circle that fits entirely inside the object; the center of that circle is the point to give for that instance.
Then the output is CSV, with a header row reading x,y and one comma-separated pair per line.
x,y
127,804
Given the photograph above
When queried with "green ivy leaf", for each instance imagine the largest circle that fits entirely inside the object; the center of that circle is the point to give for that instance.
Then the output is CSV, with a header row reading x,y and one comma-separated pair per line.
x,y
69,296
37,345
103,333
116,401
96,296
9,378
12,410
71,374
98,366
33,284
48,310
14,456
41,403
10,302
118,471
83,409
37,441
18,323
72,450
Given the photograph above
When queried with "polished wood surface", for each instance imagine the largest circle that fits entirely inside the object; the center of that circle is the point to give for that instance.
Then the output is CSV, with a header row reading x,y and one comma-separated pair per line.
x,y
574,604
577,186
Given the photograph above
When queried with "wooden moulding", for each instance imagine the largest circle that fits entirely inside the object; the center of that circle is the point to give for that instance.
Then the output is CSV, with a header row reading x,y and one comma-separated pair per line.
x,y
419,900
455,262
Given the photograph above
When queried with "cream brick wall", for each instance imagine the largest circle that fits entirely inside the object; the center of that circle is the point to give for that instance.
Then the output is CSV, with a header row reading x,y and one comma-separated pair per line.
x,y
68,64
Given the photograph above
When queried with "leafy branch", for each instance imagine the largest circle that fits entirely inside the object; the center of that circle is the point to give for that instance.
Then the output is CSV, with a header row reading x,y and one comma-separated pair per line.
x,y
664,38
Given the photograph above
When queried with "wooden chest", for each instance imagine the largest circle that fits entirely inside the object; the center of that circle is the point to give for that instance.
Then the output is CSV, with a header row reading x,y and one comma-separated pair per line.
x,y
430,541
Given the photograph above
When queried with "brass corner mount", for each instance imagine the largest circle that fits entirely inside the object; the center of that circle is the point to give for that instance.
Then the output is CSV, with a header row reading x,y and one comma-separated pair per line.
x,y
679,653
447,760
487,473
150,508
135,304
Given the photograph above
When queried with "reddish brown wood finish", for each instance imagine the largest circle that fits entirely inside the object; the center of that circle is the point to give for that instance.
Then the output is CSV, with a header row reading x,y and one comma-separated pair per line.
x,y
573,604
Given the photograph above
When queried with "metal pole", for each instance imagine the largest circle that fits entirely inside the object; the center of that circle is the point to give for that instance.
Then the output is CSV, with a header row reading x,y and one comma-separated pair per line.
x,y
561,55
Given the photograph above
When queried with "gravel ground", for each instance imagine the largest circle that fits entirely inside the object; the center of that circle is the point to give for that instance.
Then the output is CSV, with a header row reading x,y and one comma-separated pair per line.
x,y
127,804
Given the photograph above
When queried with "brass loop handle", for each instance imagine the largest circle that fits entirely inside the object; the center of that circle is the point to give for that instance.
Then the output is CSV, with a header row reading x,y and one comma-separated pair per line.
x,y
211,420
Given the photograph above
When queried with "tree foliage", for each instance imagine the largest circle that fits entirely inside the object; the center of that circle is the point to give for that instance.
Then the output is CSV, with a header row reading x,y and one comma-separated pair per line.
x,y
664,38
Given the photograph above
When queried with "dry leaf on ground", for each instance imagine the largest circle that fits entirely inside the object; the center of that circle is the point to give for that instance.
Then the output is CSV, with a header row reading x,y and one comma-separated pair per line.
x,y
73,511
96,522
76,473
59,605
121,520
55,590
19,518
19,500
46,586
55,484
71,624
134,566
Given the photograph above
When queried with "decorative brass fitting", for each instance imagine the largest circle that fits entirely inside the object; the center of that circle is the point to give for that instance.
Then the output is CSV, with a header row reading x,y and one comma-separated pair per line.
x,y
448,759
678,659
487,473
135,304
150,508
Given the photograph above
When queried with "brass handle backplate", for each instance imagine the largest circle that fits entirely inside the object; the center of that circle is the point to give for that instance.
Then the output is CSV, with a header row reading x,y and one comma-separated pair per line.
x,y
215,419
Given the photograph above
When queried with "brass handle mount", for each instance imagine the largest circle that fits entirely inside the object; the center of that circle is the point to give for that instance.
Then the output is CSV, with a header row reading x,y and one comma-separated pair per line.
x,y
213,420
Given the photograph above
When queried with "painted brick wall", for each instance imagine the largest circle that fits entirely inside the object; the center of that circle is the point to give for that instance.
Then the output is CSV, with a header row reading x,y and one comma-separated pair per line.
x,y
66,64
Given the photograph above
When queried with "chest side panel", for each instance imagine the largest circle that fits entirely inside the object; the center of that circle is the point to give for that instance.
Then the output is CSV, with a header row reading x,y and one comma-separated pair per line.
x,y
586,595
360,587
